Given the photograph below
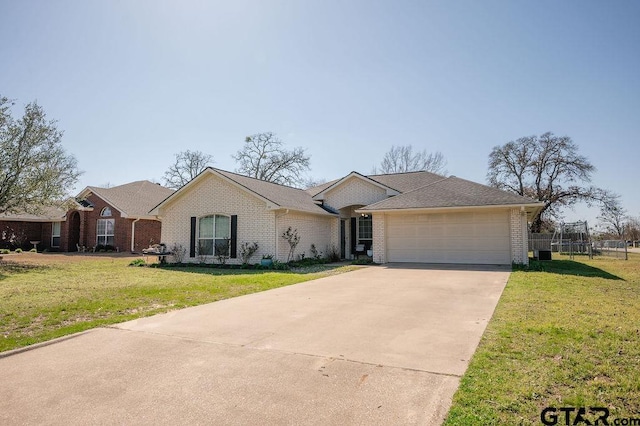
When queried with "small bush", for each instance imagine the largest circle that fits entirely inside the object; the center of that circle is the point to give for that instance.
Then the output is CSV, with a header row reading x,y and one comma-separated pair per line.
x,y
362,262
333,254
179,252
247,251
33,250
18,250
5,251
137,262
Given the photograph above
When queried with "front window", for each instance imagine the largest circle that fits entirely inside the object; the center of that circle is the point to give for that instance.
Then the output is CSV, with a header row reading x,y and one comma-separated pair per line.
x,y
105,232
365,230
55,234
214,233
106,212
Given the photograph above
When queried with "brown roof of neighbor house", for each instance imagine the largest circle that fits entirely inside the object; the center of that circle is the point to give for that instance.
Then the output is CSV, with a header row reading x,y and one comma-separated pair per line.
x,y
450,192
284,196
133,199
46,214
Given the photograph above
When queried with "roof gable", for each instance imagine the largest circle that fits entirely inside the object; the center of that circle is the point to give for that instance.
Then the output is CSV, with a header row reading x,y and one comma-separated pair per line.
x,y
275,196
345,181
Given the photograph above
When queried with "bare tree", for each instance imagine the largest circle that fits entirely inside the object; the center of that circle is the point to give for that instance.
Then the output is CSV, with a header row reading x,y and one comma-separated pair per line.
x,y
548,169
613,216
402,159
264,157
187,165
35,170
310,182
632,227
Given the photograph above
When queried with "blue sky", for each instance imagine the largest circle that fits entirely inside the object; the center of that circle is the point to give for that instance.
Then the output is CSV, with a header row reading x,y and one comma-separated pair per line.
x,y
134,82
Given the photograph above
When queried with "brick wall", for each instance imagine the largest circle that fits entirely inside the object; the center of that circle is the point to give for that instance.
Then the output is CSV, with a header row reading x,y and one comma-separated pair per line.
x,y
147,232
213,195
32,231
312,229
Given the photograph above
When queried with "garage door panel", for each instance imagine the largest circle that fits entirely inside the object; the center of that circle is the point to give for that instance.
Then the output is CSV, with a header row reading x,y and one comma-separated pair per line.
x,y
482,237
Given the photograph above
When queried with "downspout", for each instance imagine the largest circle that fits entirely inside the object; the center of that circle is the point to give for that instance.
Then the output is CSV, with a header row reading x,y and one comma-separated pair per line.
x,y
286,212
133,235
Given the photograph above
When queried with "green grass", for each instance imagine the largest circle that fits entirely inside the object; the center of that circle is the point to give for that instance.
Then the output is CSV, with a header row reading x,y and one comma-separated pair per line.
x,y
47,296
566,333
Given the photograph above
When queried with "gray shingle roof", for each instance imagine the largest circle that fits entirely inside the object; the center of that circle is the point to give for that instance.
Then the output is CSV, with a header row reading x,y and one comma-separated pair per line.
x,y
283,196
405,182
47,214
133,199
450,192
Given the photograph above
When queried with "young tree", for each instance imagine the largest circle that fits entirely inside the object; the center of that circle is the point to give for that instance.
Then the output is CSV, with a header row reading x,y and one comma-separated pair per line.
x,y
613,217
35,170
401,159
264,157
546,168
187,165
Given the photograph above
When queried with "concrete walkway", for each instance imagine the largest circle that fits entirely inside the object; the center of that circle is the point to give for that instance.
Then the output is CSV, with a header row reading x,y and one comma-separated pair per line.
x,y
381,345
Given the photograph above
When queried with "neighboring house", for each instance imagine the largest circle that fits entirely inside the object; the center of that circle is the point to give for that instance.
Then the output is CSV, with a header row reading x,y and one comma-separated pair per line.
x,y
45,228
403,217
114,218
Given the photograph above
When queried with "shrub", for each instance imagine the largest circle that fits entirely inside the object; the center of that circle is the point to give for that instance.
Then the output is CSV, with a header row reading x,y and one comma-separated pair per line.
x,y
247,251
179,252
5,251
333,254
314,252
18,250
33,250
137,262
292,237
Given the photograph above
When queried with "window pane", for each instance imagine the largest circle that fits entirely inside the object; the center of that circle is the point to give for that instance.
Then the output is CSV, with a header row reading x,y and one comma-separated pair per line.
x,y
109,225
110,241
222,247
55,242
55,231
106,212
222,227
205,247
101,226
365,227
206,227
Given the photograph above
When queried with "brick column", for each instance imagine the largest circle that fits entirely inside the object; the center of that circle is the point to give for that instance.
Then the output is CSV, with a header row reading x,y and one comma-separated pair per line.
x,y
379,251
519,247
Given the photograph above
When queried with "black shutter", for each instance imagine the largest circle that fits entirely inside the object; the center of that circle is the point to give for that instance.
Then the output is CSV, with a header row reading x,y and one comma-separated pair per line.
x,y
234,236
192,241
353,235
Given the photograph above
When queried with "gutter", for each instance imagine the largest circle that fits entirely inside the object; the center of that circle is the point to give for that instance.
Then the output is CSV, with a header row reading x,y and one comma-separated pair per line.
x,y
133,234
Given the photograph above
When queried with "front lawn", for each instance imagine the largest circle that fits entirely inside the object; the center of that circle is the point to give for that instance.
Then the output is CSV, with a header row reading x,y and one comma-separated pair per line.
x,y
564,336
43,296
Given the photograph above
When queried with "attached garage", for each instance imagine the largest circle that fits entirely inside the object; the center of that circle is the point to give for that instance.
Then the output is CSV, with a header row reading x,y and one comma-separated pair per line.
x,y
473,237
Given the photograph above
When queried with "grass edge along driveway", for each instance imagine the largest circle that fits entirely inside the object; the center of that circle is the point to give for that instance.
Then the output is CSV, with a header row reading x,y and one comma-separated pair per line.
x,y
564,334
43,297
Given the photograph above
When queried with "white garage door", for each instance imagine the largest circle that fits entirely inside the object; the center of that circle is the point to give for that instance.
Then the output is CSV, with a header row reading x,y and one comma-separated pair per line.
x,y
481,238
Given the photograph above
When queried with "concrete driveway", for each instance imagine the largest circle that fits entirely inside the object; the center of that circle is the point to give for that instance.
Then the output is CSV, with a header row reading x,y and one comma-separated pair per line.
x,y
381,345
